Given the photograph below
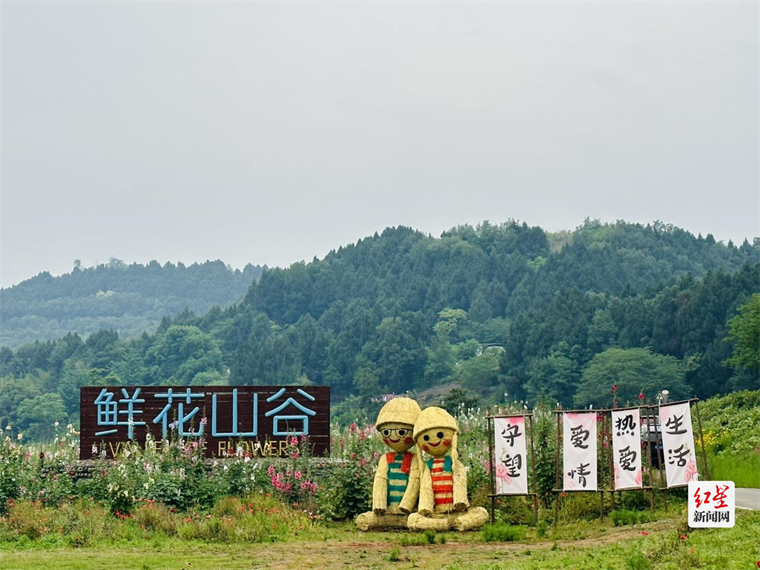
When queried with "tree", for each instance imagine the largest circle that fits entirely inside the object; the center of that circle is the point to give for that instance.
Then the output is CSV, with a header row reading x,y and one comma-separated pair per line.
x,y
37,416
744,333
633,371
458,399
554,377
182,352
399,357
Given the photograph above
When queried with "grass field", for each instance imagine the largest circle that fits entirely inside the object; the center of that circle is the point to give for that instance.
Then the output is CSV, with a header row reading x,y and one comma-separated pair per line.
x,y
744,471
665,544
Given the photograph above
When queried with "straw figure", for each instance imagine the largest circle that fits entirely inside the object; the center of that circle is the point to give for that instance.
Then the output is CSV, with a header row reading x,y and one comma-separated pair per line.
x,y
397,479
443,479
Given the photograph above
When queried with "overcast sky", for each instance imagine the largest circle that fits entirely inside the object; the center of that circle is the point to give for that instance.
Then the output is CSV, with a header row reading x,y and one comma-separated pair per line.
x,y
270,133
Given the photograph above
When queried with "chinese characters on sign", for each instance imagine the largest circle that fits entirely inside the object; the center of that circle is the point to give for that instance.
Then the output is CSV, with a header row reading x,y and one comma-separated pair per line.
x,y
626,448
511,468
579,451
711,504
678,444
257,419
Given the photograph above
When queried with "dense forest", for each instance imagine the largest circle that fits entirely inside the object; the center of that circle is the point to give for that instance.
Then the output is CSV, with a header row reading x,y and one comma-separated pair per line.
x,y
479,314
130,299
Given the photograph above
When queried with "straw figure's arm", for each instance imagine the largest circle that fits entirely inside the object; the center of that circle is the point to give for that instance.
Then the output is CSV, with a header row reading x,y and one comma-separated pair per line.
x,y
412,493
460,486
380,487
427,499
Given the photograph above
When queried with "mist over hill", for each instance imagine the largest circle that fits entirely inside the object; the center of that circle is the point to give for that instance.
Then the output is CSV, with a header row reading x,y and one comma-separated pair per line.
x,y
493,311
130,299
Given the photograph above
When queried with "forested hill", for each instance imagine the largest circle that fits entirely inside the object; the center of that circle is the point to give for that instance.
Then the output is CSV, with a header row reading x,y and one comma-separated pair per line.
x,y
493,309
128,298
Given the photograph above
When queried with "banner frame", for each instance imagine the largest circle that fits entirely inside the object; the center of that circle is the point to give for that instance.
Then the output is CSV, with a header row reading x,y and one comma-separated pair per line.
x,y
492,463
661,452
558,490
643,487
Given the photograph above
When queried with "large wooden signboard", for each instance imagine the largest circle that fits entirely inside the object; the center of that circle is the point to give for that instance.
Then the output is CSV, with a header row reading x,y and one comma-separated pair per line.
x,y
258,419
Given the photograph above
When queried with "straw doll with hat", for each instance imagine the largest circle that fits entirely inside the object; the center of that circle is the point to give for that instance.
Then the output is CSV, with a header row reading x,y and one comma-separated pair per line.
x,y
443,479
397,479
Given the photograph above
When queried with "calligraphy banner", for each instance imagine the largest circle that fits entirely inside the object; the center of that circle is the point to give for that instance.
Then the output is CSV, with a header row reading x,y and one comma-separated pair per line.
x,y
510,448
678,444
250,420
579,451
626,448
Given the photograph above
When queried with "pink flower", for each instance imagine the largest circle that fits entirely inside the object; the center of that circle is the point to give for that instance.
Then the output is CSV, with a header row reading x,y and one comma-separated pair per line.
x,y
270,470
294,440
297,475
503,473
313,487
690,473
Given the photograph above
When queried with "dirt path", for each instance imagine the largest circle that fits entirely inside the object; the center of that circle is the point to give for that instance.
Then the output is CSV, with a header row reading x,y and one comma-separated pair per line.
x,y
372,555
379,551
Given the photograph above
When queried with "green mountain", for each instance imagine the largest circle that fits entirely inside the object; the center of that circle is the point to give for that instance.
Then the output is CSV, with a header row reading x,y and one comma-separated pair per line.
x,y
131,299
491,310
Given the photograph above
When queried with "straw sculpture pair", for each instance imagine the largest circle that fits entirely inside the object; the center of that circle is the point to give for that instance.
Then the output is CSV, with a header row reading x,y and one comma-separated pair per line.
x,y
405,481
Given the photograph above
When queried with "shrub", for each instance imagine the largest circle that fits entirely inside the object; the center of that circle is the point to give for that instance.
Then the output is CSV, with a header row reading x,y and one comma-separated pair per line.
x,y
502,532
623,517
349,491
155,518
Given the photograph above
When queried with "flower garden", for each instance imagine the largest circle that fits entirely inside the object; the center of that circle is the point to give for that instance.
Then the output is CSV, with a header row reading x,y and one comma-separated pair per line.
x,y
167,494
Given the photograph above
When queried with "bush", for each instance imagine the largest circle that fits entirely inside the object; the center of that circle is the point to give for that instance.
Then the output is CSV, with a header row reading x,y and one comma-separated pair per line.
x,y
623,517
349,492
502,532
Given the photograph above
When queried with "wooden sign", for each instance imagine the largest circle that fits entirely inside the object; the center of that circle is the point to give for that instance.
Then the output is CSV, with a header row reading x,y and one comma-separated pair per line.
x,y
258,420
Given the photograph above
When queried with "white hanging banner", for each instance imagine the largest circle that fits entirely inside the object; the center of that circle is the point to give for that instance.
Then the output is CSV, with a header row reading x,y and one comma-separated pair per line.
x,y
678,444
579,451
626,448
510,447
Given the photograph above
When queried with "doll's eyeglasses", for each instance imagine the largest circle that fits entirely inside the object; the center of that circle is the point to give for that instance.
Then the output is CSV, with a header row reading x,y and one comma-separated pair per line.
x,y
400,432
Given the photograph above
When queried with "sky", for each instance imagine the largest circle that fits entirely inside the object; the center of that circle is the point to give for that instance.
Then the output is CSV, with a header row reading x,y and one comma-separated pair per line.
x,y
269,133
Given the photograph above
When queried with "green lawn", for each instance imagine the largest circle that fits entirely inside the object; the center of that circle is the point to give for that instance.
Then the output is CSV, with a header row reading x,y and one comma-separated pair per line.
x,y
586,544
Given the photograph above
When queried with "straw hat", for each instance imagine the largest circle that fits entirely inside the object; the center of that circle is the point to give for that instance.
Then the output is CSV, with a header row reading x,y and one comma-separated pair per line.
x,y
434,417
398,411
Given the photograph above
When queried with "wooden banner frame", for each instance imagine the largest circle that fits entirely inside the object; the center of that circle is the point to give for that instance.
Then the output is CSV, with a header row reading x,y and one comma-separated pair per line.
x,y
661,450
643,487
492,464
600,463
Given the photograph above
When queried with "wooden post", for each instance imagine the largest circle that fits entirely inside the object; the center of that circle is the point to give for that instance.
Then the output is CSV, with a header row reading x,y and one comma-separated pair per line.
x,y
649,459
492,467
556,467
701,439
533,470
610,455
661,457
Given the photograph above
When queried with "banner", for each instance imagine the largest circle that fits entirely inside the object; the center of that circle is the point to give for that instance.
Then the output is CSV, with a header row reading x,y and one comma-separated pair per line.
x,y
626,448
510,447
678,444
579,451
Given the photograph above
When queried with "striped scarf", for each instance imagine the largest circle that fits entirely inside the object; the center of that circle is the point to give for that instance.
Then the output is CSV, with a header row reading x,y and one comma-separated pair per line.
x,y
443,480
399,465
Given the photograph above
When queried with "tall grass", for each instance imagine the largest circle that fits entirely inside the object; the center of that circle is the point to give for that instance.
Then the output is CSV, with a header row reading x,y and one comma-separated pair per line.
x,y
743,470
